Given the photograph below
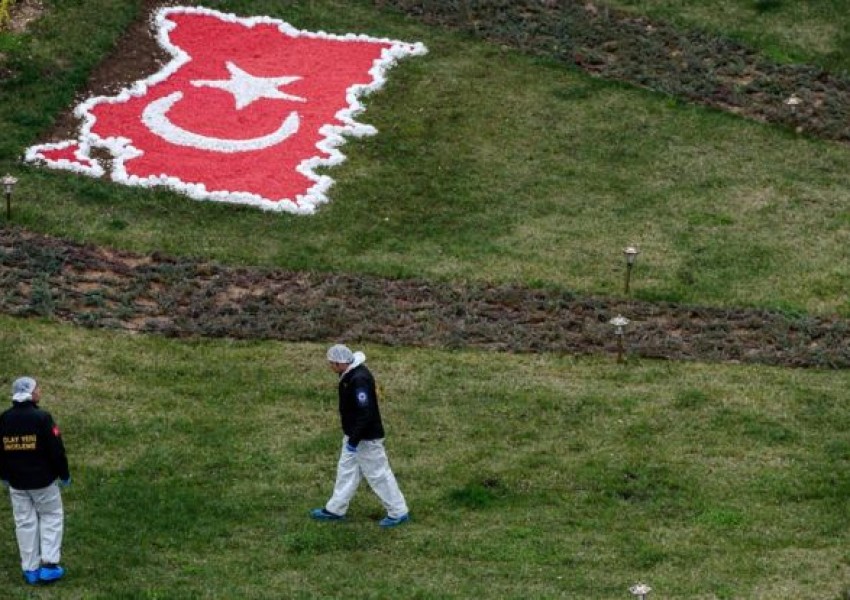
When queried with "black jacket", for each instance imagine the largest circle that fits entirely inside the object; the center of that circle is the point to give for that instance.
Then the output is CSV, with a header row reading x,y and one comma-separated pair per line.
x,y
358,406
32,455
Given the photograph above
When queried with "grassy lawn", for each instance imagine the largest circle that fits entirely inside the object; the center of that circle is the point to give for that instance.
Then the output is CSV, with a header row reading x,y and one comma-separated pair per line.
x,y
529,476
790,31
195,464
497,167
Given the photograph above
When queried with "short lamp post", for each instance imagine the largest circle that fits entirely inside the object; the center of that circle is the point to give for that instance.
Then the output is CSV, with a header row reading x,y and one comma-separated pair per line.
x,y
640,591
619,322
793,101
631,255
8,186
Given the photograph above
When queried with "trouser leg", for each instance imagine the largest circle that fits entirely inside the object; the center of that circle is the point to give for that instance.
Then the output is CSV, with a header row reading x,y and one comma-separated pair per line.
x,y
51,517
347,479
376,468
26,528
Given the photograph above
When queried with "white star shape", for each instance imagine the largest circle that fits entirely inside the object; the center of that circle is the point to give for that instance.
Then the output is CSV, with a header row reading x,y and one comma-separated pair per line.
x,y
247,88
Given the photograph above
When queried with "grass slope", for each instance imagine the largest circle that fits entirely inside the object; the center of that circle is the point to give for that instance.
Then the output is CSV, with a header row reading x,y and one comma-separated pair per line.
x,y
813,31
195,464
496,167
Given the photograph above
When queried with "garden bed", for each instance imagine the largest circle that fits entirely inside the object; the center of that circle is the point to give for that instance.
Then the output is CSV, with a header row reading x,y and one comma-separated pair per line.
x,y
98,287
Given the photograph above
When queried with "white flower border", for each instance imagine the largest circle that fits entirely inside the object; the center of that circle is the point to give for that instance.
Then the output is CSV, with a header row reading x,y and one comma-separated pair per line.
x,y
123,150
33,154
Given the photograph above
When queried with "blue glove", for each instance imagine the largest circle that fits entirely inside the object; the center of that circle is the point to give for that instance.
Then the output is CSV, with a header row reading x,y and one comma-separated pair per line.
x,y
65,482
350,448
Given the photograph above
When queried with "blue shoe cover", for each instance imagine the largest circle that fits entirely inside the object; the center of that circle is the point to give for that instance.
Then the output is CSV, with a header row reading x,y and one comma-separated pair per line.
x,y
49,573
394,521
31,577
322,514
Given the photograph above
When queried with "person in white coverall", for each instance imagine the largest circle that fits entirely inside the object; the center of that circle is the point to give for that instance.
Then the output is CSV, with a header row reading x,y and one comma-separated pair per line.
x,y
33,466
362,453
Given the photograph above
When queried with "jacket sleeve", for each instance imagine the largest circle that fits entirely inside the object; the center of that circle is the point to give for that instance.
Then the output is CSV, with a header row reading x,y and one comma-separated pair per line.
x,y
364,402
56,449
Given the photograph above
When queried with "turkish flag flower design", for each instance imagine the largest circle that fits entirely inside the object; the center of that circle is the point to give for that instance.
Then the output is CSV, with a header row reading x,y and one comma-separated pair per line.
x,y
245,112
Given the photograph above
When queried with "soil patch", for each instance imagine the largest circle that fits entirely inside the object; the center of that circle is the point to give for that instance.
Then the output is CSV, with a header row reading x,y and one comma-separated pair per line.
x,y
22,13
96,287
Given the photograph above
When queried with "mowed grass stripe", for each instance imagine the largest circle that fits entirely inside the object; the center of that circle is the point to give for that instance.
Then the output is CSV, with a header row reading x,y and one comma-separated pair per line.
x,y
196,462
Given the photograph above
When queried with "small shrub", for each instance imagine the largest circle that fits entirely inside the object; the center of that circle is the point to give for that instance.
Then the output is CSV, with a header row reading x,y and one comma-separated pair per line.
x,y
5,12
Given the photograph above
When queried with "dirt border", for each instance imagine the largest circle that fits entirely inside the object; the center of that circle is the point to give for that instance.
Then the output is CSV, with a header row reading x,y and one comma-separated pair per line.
x,y
97,287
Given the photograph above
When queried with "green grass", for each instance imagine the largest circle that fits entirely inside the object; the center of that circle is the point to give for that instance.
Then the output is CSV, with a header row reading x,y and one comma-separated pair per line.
x,y
195,464
814,31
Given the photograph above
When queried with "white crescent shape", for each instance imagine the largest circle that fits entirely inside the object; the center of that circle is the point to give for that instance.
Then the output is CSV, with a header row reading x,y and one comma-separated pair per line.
x,y
155,118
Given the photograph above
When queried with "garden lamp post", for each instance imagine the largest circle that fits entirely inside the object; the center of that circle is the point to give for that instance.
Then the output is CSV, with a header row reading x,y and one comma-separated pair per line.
x,y
9,185
640,591
619,322
793,101
631,254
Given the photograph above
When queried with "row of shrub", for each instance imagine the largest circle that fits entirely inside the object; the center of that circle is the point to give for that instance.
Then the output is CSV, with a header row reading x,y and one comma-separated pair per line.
x,y
692,65
51,277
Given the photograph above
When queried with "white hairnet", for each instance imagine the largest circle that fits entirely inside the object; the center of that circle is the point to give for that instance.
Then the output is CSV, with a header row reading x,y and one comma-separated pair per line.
x,y
23,388
340,353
